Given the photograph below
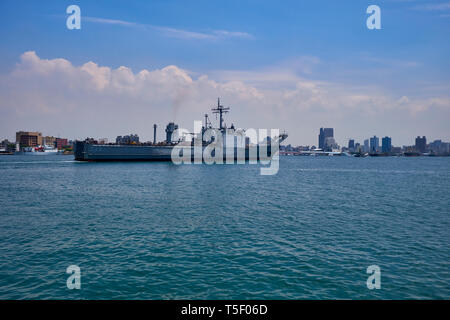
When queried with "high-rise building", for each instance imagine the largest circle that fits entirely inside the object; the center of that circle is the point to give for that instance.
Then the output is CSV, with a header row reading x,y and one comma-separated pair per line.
x,y
351,144
366,145
28,139
323,135
374,144
439,147
330,144
421,144
386,144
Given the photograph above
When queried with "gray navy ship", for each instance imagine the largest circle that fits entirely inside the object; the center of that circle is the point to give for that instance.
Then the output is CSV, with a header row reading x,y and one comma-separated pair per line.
x,y
90,150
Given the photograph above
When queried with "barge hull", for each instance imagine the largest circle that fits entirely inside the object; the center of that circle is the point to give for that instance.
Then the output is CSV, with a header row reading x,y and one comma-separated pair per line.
x,y
102,153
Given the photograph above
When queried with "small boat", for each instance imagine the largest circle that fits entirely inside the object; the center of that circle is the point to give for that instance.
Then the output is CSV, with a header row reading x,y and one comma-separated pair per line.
x,y
38,151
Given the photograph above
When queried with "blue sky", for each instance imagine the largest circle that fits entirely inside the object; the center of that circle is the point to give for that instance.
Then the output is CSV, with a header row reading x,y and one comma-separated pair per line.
x,y
312,42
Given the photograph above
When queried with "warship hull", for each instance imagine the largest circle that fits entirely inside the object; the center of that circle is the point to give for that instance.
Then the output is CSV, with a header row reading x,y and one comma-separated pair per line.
x,y
93,152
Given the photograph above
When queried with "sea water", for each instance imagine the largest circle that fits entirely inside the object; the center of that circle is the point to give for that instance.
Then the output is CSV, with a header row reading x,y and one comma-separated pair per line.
x,y
151,230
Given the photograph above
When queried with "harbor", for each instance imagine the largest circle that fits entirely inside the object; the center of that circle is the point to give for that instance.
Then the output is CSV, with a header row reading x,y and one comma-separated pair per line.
x,y
159,231
224,159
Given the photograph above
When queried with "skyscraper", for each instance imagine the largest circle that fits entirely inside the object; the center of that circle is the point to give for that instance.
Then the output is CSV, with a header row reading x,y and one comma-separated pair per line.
x,y
386,145
374,144
366,145
323,135
351,144
330,144
421,144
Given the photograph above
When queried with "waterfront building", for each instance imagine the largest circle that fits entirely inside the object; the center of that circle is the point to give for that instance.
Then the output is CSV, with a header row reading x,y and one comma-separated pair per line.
x,y
374,144
411,149
439,147
386,144
92,140
103,141
351,144
330,144
445,147
60,143
4,143
323,135
396,150
28,138
49,140
421,144
366,146
7,146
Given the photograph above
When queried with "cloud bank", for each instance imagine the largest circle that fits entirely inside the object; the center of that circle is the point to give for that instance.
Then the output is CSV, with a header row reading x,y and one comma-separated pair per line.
x,y
56,97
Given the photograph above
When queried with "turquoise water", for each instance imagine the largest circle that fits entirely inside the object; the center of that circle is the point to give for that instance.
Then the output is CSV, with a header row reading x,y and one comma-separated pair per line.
x,y
160,231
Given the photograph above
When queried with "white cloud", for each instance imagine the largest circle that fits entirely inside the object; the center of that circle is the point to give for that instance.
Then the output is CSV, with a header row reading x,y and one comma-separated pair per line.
x,y
111,21
443,6
54,96
175,32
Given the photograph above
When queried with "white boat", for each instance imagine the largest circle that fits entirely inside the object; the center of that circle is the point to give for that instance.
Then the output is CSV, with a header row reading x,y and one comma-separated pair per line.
x,y
50,149
38,151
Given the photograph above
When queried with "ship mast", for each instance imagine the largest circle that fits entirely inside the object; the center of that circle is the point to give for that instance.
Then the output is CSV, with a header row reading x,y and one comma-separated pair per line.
x,y
220,110
207,122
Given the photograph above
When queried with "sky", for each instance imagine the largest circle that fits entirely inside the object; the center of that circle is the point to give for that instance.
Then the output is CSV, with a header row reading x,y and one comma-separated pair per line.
x,y
292,65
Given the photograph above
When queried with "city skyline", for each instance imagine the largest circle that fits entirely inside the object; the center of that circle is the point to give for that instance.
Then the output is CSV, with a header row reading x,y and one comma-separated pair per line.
x,y
128,69
372,144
